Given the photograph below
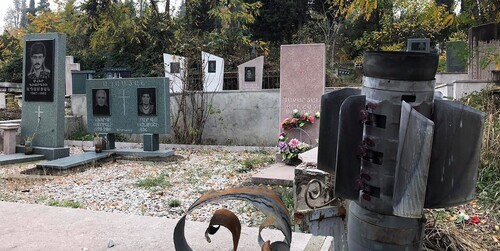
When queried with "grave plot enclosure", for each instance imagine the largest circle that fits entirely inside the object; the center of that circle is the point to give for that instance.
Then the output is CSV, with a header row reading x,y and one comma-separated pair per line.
x,y
132,105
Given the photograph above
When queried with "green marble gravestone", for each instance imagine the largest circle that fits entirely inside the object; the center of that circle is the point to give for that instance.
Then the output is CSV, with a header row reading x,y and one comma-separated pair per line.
x,y
131,105
44,84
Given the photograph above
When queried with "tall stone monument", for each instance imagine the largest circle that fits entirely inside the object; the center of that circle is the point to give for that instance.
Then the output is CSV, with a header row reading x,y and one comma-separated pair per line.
x,y
302,82
43,93
213,71
176,70
250,74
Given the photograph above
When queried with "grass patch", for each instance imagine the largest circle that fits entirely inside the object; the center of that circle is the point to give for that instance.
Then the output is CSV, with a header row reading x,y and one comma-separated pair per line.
x,y
286,195
64,203
253,162
81,135
174,203
157,181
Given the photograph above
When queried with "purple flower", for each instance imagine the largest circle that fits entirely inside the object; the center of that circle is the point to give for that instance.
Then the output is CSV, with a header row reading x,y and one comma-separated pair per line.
x,y
282,145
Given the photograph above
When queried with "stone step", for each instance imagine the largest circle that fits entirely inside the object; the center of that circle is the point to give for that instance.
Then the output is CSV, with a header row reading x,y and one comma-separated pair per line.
x,y
275,174
75,160
19,158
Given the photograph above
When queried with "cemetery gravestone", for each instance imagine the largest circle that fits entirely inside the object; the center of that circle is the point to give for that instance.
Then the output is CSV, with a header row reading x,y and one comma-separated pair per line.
x,y
43,93
213,69
175,70
70,66
250,74
133,105
302,82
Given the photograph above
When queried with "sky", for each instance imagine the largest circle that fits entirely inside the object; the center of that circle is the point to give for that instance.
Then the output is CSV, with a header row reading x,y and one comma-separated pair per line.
x,y
8,4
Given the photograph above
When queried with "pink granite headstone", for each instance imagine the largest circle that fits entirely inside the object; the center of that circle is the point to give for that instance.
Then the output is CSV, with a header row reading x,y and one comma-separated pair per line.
x,y
302,82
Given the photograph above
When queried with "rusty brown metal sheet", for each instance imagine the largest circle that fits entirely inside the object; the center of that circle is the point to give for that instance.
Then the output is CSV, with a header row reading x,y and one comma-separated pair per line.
x,y
267,201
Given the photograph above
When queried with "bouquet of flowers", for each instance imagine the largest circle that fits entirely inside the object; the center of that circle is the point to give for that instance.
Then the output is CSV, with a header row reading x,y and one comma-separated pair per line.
x,y
290,149
298,120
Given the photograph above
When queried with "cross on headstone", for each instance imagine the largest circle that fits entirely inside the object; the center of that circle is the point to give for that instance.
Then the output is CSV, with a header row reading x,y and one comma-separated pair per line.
x,y
124,97
39,112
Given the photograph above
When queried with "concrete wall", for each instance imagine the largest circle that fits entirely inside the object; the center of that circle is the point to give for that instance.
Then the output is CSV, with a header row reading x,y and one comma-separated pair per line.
x,y
443,78
461,88
245,118
465,87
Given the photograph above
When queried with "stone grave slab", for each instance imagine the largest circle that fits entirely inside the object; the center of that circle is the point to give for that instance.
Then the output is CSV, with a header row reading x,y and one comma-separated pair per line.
x,y
250,74
175,70
75,160
213,70
19,158
43,93
302,82
141,153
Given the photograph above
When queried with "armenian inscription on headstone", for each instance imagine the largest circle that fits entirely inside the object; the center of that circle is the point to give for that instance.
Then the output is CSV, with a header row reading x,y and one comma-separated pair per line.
x,y
133,105
302,82
44,89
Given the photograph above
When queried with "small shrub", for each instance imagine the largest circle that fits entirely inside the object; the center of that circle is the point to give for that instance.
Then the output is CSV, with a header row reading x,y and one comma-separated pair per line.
x,y
174,203
64,203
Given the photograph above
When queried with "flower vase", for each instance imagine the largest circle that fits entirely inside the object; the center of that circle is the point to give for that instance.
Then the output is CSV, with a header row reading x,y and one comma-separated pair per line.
x,y
295,161
98,142
28,147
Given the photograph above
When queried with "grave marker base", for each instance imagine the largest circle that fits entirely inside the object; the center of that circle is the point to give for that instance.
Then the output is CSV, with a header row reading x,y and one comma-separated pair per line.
x,y
50,153
19,158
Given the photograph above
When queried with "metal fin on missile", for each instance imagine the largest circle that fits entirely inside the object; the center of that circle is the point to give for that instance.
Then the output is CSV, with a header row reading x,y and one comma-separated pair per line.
x,y
455,154
412,165
350,135
328,127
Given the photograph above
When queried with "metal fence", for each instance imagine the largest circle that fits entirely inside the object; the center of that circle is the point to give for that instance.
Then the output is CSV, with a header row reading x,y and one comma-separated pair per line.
x,y
270,80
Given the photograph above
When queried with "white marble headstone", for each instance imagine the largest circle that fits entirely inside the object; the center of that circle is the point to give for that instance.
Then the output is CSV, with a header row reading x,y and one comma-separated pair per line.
x,y
250,74
175,70
70,66
213,70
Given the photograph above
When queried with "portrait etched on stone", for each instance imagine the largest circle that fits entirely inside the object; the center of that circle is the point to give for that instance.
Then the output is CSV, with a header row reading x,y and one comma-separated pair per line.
x,y
250,74
175,67
100,102
39,71
146,101
212,66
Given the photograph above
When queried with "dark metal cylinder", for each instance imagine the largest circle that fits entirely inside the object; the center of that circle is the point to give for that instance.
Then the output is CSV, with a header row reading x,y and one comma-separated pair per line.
x,y
381,135
372,231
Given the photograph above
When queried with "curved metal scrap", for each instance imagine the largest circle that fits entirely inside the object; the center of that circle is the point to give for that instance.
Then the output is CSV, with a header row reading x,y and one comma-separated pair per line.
x,y
226,218
263,199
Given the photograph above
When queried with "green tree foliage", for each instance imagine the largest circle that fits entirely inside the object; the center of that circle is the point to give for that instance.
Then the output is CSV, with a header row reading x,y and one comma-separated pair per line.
x,y
10,58
278,20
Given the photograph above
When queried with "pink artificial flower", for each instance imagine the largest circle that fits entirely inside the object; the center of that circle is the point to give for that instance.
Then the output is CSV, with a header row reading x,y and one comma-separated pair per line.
x,y
311,119
294,143
304,117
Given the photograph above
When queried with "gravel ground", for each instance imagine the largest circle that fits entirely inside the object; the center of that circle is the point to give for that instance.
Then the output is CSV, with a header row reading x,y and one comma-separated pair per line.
x,y
114,186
